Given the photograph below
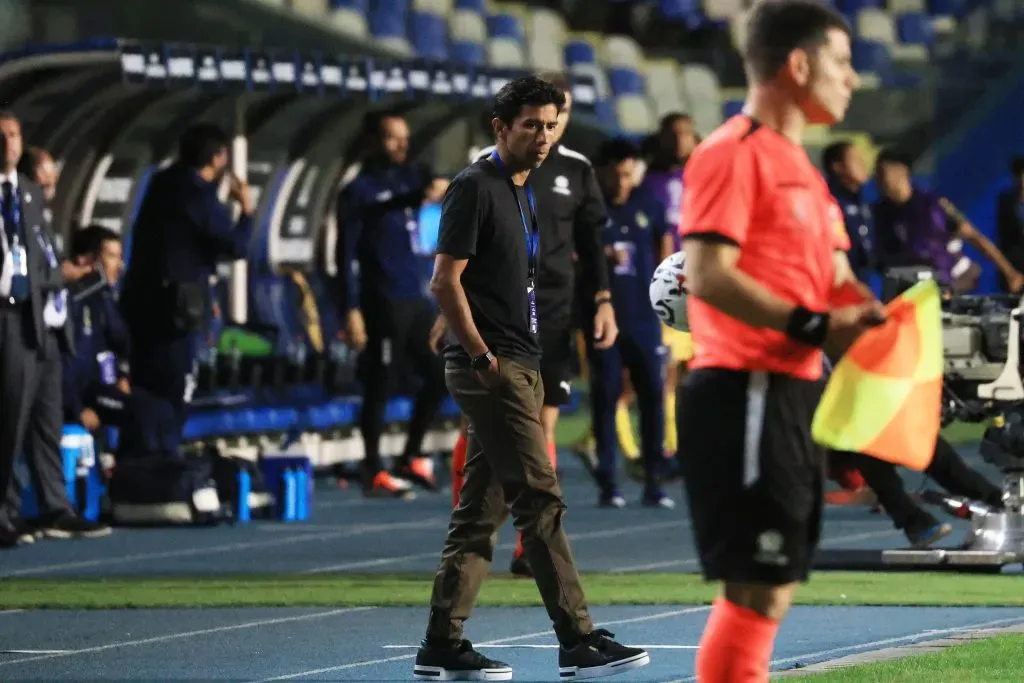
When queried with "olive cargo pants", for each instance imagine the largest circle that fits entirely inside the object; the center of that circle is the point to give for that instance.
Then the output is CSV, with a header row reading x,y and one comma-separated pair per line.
x,y
507,467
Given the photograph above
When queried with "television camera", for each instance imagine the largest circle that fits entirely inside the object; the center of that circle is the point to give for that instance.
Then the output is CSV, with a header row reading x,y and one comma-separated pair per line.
x,y
981,340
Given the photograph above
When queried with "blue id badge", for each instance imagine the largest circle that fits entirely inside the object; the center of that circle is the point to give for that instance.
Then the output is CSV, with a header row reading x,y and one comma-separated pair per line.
x,y
19,258
108,367
531,297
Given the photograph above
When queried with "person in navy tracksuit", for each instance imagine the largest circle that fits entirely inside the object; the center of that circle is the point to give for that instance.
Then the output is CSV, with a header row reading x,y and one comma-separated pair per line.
x,y
386,309
95,376
636,239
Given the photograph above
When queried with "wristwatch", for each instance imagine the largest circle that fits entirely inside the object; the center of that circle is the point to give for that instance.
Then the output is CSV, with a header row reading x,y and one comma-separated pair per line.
x,y
483,361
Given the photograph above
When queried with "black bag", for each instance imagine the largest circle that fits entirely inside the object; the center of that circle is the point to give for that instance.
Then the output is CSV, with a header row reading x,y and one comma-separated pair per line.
x,y
158,490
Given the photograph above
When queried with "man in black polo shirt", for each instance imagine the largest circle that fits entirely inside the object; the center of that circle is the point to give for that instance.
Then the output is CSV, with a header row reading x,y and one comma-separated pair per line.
x,y
484,276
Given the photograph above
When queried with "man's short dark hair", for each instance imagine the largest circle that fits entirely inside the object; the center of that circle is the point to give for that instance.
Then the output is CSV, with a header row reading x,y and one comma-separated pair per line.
x,y
889,155
89,240
200,144
1017,166
777,27
615,151
670,119
373,121
834,154
525,91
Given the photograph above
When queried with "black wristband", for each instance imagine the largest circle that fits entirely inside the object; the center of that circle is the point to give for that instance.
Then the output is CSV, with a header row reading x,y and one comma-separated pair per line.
x,y
807,327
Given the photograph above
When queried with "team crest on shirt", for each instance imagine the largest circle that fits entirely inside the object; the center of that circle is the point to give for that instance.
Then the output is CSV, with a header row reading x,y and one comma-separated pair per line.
x,y
562,186
641,220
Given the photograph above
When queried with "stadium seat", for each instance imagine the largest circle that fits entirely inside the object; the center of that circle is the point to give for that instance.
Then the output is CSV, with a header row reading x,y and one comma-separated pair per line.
x,y
545,36
634,115
722,10
362,6
429,33
702,93
471,54
478,6
439,7
851,7
738,30
872,62
626,82
505,25
948,8
467,27
580,52
504,53
900,7
622,51
314,9
663,87
688,11
914,29
349,20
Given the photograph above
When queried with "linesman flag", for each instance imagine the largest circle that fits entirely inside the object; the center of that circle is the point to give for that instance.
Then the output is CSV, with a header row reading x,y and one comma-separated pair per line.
x,y
884,398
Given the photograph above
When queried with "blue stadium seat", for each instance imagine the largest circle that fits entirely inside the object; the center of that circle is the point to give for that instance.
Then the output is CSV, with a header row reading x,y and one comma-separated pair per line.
x,y
680,10
731,108
605,112
948,8
626,82
504,26
851,7
388,19
429,35
472,54
580,52
914,28
475,5
360,5
871,57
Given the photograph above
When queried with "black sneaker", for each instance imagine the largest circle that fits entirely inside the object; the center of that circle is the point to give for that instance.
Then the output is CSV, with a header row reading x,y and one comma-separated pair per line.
x,y
457,661
597,655
70,525
26,533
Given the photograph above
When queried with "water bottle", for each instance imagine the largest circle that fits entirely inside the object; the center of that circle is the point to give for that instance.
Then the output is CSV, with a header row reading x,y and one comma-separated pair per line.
x,y
302,494
289,495
244,489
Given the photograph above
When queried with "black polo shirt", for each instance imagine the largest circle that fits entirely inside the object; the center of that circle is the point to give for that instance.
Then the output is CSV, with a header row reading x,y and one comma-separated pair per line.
x,y
481,222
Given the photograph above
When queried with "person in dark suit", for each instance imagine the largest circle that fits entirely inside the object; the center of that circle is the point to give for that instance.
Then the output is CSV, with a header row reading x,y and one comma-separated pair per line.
x,y
183,230
33,334
1010,217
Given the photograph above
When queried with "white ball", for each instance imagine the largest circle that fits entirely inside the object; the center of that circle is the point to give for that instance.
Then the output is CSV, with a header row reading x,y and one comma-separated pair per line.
x,y
668,292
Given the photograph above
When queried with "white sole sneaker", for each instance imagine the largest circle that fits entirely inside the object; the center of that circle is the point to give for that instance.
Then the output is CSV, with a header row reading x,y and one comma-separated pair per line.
x,y
612,669
436,673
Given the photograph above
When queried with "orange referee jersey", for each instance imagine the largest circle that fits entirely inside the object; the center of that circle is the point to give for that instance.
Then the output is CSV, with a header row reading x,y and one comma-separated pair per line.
x,y
749,185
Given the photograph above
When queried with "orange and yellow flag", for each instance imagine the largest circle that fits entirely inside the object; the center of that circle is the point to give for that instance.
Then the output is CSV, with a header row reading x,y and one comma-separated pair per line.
x,y
884,398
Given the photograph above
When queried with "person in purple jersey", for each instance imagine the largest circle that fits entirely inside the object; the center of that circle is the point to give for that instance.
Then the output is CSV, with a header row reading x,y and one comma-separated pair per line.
x,y
915,227
671,146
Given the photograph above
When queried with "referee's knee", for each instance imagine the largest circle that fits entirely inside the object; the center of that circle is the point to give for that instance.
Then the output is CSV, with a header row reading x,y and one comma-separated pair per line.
x,y
771,601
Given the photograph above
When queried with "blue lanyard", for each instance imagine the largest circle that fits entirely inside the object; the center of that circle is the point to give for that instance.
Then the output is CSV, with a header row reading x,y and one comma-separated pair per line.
x,y
15,210
532,237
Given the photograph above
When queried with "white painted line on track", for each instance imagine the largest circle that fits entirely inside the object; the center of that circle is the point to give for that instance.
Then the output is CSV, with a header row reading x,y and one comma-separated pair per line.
x,y
500,641
436,554
187,634
299,537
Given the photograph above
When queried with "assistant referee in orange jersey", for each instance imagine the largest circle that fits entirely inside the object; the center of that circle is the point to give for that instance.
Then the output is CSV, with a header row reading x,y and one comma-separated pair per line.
x,y
765,250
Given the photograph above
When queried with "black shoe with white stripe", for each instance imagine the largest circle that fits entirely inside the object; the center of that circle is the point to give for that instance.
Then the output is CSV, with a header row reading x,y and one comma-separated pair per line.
x,y
457,661
597,655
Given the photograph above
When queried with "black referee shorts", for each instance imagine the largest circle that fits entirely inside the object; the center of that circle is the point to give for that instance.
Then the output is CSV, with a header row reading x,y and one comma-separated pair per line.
x,y
754,478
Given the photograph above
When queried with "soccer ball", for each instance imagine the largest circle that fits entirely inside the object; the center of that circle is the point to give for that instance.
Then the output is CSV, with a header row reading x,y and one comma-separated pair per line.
x,y
668,292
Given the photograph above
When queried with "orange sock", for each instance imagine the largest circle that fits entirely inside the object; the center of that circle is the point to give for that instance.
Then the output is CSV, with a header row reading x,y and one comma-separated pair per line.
x,y
736,646
458,468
